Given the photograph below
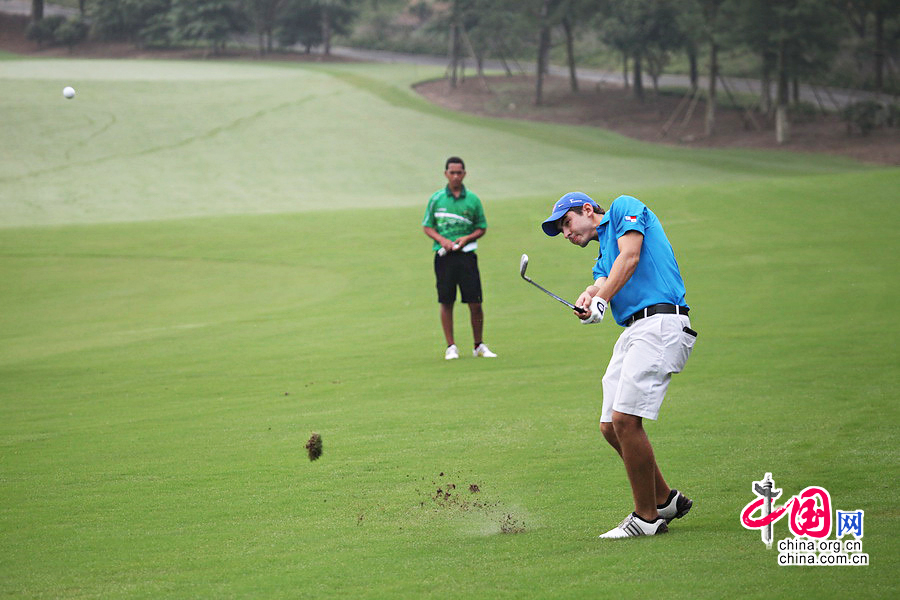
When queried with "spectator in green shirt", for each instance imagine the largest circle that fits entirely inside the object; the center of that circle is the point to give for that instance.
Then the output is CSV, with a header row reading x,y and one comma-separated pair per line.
x,y
455,220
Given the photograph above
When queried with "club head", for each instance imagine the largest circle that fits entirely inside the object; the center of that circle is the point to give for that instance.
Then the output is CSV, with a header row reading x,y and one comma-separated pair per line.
x,y
523,264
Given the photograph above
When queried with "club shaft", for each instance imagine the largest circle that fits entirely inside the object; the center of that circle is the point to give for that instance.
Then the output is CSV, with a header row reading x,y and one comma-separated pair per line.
x,y
551,294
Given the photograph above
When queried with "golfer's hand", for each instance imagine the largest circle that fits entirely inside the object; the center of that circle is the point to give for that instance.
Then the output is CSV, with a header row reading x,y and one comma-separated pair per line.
x,y
581,310
583,303
597,306
447,246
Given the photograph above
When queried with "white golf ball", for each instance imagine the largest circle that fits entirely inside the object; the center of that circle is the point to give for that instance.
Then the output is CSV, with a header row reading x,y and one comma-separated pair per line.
x,y
69,92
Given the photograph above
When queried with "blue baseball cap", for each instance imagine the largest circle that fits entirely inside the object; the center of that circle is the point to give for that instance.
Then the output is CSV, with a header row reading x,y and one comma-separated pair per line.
x,y
564,205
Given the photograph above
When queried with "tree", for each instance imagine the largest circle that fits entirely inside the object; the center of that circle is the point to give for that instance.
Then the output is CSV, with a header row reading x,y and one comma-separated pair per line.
x,y
571,13
751,28
550,14
643,29
336,18
663,36
500,28
300,23
207,21
860,14
264,15
543,50
710,11
37,10
691,38
124,19
455,23
795,38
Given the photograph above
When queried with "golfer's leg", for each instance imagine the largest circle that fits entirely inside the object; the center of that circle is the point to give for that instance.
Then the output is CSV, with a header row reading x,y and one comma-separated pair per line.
x,y
609,433
447,321
662,488
610,387
637,453
477,317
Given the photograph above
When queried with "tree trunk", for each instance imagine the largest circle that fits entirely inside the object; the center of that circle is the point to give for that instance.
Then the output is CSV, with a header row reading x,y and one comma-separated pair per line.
x,y
638,61
711,91
570,54
454,53
502,58
326,31
479,58
37,10
543,49
692,59
765,84
879,50
782,124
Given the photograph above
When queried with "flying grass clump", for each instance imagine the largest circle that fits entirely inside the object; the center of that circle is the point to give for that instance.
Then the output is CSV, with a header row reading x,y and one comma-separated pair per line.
x,y
314,446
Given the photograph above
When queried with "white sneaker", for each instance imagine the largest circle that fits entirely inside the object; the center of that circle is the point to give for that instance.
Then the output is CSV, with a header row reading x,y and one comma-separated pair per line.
x,y
451,352
483,350
675,507
634,526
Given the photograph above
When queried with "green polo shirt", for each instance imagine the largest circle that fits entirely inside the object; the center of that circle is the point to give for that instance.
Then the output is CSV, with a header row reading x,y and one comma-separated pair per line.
x,y
454,218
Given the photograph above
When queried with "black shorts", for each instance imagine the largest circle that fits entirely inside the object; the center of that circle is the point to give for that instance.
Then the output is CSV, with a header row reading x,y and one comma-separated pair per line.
x,y
457,269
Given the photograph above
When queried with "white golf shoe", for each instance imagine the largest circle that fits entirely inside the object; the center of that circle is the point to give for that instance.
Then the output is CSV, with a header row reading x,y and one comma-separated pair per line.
x,y
451,352
634,526
482,350
675,507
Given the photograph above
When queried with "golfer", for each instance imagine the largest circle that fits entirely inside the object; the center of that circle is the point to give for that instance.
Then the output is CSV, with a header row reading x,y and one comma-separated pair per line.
x,y
455,220
637,278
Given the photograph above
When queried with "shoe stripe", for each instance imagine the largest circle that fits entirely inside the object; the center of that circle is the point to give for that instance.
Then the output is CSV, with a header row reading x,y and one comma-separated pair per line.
x,y
633,529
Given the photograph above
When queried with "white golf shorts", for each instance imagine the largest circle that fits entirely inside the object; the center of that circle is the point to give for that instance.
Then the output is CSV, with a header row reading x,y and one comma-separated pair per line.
x,y
643,361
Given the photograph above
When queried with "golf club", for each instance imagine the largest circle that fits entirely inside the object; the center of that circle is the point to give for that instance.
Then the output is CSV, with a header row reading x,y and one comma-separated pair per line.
x,y
523,264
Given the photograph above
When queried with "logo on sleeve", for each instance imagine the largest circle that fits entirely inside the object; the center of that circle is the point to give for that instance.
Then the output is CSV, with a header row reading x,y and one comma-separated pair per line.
x,y
631,219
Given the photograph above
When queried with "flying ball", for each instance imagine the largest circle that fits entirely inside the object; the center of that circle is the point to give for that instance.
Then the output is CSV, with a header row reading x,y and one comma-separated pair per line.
x,y
69,92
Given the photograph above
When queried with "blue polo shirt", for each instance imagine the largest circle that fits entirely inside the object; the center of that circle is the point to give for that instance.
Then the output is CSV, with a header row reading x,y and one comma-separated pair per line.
x,y
656,280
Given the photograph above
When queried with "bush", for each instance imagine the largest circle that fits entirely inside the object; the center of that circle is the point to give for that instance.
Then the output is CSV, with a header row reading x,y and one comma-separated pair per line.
x,y
71,32
158,33
803,112
43,31
866,115
893,119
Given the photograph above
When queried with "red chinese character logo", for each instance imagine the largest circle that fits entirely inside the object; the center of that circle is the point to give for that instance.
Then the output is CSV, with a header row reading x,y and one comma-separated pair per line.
x,y
765,519
811,513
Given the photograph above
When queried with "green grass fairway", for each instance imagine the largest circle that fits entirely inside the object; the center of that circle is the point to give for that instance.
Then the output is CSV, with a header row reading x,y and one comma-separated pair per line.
x,y
203,263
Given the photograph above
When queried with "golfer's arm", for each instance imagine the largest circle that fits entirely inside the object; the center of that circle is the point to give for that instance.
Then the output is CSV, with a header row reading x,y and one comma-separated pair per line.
x,y
622,268
433,234
468,239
